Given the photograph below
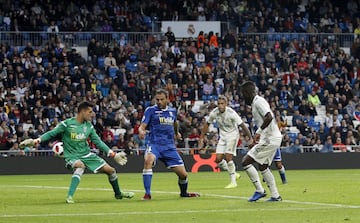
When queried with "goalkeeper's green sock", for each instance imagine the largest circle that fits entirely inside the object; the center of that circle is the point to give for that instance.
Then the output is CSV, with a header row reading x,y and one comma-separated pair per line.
x,y
75,180
113,180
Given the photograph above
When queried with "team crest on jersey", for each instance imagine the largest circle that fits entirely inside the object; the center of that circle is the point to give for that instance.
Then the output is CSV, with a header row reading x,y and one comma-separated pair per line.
x,y
158,113
84,128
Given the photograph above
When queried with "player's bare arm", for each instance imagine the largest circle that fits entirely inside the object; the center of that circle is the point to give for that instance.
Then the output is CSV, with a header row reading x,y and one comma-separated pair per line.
x,y
267,120
176,130
247,132
142,130
202,135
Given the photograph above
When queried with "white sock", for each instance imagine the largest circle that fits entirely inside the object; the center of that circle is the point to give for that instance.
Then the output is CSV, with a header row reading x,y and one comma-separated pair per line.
x,y
231,171
254,177
270,181
282,170
223,165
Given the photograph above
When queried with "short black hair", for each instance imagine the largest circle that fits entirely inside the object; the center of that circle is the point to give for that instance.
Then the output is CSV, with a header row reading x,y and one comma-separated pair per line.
x,y
248,86
85,105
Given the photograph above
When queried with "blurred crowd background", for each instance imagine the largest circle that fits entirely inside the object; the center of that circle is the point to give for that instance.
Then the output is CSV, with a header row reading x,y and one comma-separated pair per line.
x,y
311,83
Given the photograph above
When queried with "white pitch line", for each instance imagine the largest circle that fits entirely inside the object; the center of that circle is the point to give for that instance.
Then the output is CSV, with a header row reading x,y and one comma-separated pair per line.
x,y
208,195
158,212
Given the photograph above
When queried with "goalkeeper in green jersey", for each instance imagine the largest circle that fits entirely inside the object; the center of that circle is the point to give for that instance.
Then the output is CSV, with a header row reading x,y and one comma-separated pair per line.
x,y
75,133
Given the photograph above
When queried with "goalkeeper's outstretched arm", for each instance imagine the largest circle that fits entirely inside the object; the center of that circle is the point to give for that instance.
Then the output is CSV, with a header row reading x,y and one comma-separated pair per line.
x,y
44,137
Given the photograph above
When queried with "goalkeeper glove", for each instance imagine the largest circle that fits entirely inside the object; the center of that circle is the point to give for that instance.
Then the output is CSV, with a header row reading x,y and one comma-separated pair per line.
x,y
29,143
119,157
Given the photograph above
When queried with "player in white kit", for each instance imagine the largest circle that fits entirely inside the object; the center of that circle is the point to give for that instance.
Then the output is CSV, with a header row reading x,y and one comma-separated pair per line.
x,y
228,122
266,141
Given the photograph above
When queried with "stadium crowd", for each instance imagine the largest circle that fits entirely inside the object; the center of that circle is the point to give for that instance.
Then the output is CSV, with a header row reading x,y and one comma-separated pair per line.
x,y
133,16
315,83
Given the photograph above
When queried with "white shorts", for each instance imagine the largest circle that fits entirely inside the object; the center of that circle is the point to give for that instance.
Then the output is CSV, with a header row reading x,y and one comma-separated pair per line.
x,y
227,145
264,151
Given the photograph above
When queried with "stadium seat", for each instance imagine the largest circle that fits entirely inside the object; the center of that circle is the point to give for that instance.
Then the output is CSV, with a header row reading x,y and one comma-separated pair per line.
x,y
294,36
277,37
270,37
289,119
304,36
133,58
147,21
294,129
26,126
26,36
319,118
101,64
206,98
131,66
120,131
44,35
113,72
115,36
356,123
292,135
314,125
45,63
287,36
196,106
84,36
321,110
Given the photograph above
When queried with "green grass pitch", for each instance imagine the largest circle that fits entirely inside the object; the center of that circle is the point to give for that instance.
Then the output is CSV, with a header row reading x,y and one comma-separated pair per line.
x,y
310,196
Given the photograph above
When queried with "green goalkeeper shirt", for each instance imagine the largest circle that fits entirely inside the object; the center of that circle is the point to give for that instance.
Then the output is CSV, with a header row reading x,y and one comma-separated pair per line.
x,y
75,136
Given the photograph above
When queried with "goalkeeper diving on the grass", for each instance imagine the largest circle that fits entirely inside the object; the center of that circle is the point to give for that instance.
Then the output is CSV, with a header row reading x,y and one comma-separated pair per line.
x,y
74,134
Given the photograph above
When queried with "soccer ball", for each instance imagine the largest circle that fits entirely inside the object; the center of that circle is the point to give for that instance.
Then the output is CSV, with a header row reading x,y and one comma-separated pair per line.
x,y
58,149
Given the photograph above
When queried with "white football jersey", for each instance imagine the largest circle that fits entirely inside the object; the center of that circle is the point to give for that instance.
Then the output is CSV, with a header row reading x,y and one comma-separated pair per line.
x,y
227,121
260,107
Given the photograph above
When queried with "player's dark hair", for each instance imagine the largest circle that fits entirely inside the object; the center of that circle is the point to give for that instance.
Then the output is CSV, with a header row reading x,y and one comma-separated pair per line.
x,y
248,86
162,91
85,105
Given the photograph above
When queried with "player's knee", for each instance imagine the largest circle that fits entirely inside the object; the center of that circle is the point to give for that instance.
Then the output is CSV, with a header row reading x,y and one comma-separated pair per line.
x,y
110,170
182,176
263,167
246,161
278,165
79,164
218,160
228,158
149,161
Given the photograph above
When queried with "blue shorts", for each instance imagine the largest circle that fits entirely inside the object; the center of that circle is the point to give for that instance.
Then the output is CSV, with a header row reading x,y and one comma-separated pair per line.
x,y
166,153
277,156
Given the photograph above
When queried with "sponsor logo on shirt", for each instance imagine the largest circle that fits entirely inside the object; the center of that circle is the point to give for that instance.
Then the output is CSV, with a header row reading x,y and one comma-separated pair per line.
x,y
77,137
166,121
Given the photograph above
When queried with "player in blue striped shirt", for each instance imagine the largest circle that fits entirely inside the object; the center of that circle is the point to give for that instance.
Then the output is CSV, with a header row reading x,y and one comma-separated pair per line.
x,y
161,122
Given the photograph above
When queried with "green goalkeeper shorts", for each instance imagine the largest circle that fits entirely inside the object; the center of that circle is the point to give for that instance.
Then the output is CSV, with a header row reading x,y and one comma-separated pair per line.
x,y
92,161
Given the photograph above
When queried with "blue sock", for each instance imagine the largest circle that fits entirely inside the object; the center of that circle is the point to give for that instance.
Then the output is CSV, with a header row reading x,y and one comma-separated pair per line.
x,y
147,177
283,177
183,184
282,174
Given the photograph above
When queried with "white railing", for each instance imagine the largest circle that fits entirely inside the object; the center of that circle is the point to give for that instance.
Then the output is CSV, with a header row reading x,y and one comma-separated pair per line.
x,y
73,39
